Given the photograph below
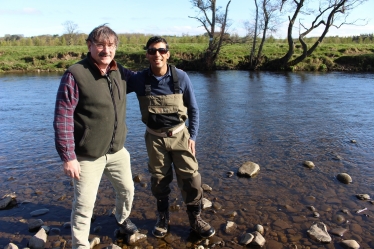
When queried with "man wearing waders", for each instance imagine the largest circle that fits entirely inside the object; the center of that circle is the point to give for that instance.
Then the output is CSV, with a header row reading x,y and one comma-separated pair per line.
x,y
166,100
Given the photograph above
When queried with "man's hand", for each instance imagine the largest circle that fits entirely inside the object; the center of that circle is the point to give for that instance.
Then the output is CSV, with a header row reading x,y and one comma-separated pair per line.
x,y
191,146
72,168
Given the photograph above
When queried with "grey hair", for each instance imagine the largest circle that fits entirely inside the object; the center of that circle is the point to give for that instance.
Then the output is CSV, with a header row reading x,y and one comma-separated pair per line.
x,y
102,33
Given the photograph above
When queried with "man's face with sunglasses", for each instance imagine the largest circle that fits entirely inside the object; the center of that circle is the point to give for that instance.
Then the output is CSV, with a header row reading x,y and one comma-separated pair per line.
x,y
158,55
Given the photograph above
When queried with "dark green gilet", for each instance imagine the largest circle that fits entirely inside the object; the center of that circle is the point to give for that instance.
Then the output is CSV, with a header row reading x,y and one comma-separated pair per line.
x,y
99,118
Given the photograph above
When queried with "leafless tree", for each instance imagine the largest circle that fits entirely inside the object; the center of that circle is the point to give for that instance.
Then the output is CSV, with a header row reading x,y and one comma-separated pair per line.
x,y
252,54
266,20
211,17
71,31
330,13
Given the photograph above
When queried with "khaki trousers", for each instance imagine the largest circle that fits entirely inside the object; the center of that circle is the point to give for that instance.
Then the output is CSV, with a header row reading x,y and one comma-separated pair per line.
x,y
117,168
165,152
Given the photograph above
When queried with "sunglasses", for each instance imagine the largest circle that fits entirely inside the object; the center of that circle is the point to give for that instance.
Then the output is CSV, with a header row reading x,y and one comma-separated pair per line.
x,y
152,51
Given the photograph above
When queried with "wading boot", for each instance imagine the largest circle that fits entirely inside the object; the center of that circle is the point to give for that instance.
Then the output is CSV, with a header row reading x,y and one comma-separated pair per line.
x,y
128,227
162,225
197,223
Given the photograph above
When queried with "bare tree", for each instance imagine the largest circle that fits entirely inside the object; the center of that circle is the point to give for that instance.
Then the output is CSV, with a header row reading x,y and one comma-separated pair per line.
x,y
252,54
331,9
330,13
211,18
266,20
270,21
71,31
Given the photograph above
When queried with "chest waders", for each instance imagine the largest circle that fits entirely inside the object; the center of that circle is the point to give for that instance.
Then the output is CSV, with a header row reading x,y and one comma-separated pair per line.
x,y
167,144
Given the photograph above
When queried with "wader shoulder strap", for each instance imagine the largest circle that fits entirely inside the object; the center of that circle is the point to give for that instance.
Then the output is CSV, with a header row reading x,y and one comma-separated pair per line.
x,y
174,76
147,83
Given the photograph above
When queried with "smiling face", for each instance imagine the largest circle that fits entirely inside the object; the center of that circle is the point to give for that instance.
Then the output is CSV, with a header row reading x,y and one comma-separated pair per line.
x,y
102,52
159,60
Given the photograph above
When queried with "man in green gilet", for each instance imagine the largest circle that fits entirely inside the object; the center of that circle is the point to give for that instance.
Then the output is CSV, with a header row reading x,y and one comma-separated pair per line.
x,y
166,100
90,132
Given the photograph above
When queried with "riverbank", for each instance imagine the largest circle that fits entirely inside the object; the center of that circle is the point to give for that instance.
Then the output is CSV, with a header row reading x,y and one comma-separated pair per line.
x,y
327,57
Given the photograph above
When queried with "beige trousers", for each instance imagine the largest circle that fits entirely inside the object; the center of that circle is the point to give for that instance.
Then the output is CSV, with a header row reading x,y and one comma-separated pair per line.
x,y
118,170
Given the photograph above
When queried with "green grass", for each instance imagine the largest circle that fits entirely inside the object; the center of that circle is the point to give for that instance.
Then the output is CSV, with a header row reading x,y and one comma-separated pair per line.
x,y
328,56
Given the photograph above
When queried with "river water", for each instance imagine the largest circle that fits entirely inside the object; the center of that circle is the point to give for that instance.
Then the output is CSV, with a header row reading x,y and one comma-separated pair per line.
x,y
277,120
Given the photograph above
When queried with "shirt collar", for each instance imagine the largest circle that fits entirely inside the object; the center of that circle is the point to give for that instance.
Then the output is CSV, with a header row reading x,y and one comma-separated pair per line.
x,y
111,67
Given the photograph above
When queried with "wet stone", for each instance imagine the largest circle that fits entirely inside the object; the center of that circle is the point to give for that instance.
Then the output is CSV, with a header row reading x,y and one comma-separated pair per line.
x,y
248,169
338,231
309,164
230,173
230,227
344,178
138,178
318,232
11,246
54,231
5,202
136,238
246,239
39,212
206,187
35,224
217,206
206,203
38,240
311,208
340,219
66,225
350,244
259,228
363,196
259,240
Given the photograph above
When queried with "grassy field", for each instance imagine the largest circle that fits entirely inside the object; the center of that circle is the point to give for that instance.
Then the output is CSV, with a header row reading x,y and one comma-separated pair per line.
x,y
328,56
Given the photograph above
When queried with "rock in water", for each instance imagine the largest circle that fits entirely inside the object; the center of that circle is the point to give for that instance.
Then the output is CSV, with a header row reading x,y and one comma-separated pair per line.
x,y
350,244
39,212
136,237
38,240
5,202
344,178
309,164
319,233
248,169
11,246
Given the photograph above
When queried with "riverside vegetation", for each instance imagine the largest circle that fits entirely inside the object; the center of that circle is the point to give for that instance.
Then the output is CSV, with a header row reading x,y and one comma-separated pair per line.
x,y
51,53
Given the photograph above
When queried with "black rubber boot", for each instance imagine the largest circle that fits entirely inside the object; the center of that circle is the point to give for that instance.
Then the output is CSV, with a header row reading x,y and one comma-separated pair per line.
x,y
162,225
163,218
128,227
197,223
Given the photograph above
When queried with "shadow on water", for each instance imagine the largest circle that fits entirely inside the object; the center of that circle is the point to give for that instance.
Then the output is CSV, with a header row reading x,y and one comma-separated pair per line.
x,y
277,120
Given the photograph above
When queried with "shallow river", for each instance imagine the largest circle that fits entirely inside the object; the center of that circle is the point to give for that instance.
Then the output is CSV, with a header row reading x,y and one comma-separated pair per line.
x,y
273,119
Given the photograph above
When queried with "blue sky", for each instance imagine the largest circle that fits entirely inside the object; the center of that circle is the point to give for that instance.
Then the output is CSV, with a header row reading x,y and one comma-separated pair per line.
x,y
167,17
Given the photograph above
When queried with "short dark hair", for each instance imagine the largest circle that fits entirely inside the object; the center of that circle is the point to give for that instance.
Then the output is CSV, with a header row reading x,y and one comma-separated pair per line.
x,y
102,33
156,39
